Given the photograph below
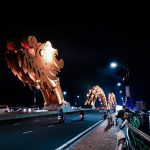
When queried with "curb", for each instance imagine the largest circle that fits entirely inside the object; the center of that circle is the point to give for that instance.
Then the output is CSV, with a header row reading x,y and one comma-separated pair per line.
x,y
76,138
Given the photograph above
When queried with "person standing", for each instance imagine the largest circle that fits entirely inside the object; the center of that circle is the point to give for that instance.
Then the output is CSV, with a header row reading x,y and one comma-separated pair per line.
x,y
121,122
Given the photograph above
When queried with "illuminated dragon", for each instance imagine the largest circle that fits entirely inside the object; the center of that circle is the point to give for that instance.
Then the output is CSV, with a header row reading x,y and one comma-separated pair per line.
x,y
97,92
36,65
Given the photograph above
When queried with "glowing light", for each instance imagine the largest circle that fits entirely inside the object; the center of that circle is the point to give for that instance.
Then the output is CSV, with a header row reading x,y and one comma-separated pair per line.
x,y
113,65
119,107
64,92
118,84
48,52
38,86
120,92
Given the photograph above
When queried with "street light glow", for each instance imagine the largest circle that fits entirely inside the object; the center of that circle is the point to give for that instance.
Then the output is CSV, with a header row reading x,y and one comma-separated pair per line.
x,y
65,93
125,78
113,65
78,96
118,84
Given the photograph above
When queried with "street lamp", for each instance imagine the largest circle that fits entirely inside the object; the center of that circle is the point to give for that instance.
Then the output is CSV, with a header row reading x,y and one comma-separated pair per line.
x,y
76,99
120,91
125,79
118,84
114,65
64,93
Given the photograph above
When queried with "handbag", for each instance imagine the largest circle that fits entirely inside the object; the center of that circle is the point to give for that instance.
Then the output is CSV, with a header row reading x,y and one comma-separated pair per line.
x,y
120,135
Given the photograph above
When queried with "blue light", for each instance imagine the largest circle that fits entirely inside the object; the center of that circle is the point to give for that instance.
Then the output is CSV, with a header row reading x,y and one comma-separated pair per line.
x,y
113,65
65,93
118,84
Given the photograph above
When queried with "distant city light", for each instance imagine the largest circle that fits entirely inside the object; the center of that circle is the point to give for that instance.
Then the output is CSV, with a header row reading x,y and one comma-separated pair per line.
x,y
78,96
113,65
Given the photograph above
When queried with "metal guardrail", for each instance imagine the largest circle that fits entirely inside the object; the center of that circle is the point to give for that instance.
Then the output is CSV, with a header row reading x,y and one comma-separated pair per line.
x,y
136,139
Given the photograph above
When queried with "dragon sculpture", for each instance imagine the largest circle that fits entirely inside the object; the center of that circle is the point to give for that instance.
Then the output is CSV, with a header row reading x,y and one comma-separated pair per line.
x,y
112,100
97,92
36,65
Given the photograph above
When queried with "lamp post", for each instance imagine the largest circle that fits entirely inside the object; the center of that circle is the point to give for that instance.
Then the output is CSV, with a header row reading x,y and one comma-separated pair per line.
x,y
125,79
65,94
76,100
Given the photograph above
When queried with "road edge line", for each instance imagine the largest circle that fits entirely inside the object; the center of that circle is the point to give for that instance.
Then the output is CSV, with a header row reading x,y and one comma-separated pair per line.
x,y
77,137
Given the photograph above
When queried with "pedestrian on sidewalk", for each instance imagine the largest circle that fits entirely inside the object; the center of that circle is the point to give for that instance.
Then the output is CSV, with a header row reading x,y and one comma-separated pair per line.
x,y
121,137
109,118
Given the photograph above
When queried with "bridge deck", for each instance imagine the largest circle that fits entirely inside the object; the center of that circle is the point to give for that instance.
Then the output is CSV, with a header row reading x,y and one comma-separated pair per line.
x,y
97,139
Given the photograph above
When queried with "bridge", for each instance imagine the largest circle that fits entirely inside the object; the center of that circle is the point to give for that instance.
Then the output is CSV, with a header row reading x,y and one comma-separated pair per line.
x,y
36,65
97,137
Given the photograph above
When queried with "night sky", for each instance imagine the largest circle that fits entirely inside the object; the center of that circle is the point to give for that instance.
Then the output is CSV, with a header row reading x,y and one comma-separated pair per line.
x,y
87,49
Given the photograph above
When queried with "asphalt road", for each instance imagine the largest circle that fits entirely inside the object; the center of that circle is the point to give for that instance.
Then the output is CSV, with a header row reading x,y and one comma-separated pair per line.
x,y
44,133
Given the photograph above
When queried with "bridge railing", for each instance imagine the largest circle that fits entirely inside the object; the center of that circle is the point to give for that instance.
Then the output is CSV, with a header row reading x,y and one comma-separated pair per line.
x,y
136,139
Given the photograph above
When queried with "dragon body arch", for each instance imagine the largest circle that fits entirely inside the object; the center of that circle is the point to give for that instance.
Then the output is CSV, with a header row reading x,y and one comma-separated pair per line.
x,y
97,92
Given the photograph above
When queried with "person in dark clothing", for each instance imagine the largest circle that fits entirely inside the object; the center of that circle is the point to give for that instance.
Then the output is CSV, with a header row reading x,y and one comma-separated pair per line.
x,y
81,114
144,121
61,115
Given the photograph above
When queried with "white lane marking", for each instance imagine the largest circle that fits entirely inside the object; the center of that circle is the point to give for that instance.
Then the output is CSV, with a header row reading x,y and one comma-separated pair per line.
x,y
17,124
50,126
76,137
36,120
27,132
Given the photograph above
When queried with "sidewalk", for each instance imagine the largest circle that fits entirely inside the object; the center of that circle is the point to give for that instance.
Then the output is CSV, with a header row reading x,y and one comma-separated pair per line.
x,y
97,139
